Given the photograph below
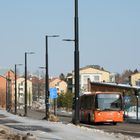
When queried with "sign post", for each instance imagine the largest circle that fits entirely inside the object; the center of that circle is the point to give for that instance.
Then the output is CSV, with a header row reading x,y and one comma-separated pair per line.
x,y
54,96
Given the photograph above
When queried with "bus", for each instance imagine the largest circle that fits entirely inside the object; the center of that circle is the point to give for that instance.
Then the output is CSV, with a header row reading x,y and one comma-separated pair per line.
x,y
101,107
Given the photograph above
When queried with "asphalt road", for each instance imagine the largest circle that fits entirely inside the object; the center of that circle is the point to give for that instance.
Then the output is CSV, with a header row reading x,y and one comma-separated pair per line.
x,y
132,129
123,128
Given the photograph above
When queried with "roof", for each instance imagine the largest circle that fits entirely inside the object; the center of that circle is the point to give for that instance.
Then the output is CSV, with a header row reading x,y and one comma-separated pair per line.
x,y
135,73
117,85
4,71
94,67
2,76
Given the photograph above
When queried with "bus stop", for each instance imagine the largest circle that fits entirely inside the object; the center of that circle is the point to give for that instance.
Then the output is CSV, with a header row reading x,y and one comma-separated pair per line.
x,y
131,96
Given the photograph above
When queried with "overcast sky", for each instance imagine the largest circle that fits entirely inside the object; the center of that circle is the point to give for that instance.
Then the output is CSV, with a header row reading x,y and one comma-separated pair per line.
x,y
109,34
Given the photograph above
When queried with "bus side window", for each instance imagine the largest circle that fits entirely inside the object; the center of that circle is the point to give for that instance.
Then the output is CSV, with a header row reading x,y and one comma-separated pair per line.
x,y
92,102
89,102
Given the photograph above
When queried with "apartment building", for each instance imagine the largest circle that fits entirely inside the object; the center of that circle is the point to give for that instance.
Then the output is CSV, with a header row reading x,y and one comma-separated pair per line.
x,y
21,92
6,88
93,72
59,84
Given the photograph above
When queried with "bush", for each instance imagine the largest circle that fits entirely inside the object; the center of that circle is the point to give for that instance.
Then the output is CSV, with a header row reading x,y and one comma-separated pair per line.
x,y
65,100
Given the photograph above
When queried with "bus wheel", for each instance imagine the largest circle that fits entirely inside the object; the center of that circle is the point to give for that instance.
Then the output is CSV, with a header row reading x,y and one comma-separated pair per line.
x,y
114,123
89,119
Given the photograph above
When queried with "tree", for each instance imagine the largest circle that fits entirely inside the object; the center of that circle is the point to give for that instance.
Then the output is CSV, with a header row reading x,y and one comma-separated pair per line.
x,y
62,77
124,77
135,71
65,100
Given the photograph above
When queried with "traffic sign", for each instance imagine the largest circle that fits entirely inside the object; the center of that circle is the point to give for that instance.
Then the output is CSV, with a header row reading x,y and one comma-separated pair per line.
x,y
53,93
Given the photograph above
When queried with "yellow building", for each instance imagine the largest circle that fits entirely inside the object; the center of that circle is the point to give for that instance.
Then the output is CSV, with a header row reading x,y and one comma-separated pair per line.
x,y
59,84
93,72
135,79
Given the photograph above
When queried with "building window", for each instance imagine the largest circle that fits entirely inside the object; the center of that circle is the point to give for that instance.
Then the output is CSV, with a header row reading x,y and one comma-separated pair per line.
x,y
21,83
21,89
138,83
96,78
85,78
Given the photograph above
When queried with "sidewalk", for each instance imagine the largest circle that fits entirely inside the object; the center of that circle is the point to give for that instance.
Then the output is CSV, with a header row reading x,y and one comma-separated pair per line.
x,y
45,130
129,120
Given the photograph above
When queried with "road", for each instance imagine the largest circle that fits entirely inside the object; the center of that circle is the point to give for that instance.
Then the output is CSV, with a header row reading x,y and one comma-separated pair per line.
x,y
125,128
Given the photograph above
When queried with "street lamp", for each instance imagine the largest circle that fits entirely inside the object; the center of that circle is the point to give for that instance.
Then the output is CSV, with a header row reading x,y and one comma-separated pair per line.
x,y
16,87
47,79
76,56
8,93
76,64
25,100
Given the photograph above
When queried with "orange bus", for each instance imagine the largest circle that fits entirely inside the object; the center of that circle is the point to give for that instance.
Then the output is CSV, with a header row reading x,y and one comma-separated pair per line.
x,y
101,107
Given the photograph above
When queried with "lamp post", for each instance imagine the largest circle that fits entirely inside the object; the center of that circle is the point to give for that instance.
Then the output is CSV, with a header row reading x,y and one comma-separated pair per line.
x,y
16,87
47,79
8,93
25,100
76,64
76,24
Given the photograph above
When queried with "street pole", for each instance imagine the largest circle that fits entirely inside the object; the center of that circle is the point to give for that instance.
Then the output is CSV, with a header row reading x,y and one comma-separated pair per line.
x,y
47,83
47,79
75,119
25,100
137,107
7,93
15,89
76,64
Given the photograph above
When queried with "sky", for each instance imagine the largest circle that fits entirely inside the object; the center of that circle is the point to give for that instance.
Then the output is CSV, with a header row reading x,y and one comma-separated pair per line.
x,y
108,34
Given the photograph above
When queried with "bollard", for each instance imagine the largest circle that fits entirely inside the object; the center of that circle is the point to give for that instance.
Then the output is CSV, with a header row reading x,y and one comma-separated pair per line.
x,y
29,137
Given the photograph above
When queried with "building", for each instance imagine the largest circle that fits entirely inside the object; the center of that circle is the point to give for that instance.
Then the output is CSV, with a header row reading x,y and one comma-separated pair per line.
x,y
113,77
3,85
59,84
10,75
135,79
93,72
7,88
21,92
38,86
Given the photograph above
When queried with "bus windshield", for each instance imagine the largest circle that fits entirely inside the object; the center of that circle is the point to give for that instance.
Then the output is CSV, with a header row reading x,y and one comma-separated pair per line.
x,y
108,102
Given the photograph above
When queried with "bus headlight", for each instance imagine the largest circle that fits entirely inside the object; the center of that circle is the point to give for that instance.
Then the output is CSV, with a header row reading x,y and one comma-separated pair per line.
x,y
99,114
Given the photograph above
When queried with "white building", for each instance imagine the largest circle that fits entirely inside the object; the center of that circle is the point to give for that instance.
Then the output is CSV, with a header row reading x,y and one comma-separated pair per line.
x,y
21,92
